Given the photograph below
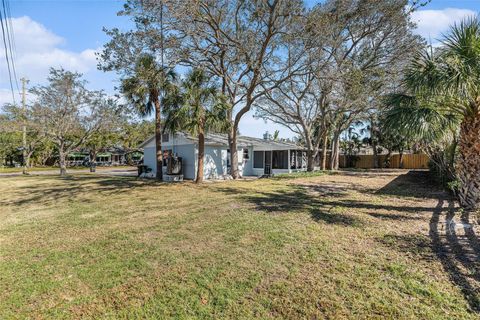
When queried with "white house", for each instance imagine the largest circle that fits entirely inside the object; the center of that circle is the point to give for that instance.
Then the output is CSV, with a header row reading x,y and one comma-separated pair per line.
x,y
256,157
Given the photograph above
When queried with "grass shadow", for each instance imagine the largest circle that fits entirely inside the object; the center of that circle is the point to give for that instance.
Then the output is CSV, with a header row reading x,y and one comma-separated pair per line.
x,y
298,198
72,187
415,184
452,241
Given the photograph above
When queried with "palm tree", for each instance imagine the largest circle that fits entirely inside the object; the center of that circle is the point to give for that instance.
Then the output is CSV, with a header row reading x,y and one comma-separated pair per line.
x,y
143,89
196,107
445,83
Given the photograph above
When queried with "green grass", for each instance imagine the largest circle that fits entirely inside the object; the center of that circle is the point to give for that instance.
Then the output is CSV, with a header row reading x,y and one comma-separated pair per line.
x,y
324,246
302,174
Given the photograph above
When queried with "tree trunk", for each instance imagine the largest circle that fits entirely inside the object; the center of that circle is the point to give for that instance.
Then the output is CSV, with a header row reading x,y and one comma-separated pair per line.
x,y
337,154
232,137
334,158
93,158
201,153
310,160
323,163
468,163
400,164
388,159
63,162
158,135
28,156
375,154
332,155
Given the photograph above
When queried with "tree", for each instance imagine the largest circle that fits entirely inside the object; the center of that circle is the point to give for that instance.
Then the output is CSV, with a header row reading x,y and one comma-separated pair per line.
x,y
347,46
17,117
142,89
132,133
100,140
351,147
238,42
416,121
196,107
446,82
10,140
68,113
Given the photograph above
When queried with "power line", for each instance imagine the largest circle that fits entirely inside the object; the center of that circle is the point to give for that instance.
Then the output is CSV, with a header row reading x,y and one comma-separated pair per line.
x,y
8,44
11,39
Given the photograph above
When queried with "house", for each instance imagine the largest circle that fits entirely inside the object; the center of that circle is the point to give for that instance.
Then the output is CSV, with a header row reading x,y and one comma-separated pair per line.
x,y
112,156
256,157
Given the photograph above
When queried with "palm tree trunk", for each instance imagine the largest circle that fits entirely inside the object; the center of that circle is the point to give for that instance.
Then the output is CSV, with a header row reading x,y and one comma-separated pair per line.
x,y
158,135
201,153
468,163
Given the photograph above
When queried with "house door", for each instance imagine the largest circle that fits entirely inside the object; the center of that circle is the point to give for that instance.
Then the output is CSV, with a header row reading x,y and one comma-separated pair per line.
x,y
268,162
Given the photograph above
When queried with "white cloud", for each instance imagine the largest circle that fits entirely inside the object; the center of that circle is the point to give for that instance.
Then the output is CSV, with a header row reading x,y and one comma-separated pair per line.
x,y
431,24
38,49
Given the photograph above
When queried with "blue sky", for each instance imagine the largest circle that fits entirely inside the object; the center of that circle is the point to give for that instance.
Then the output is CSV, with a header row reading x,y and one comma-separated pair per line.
x,y
68,32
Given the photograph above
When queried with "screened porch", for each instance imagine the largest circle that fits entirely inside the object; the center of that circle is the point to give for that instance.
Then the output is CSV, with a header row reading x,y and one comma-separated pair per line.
x,y
279,161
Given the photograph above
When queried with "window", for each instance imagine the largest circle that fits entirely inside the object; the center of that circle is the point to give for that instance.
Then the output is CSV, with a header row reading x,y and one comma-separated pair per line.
x,y
165,137
258,159
280,159
245,154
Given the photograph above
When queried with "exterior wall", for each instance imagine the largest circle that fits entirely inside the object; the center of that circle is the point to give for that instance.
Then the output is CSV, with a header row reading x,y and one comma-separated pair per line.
x,y
188,155
149,158
174,140
187,152
216,158
248,164
214,162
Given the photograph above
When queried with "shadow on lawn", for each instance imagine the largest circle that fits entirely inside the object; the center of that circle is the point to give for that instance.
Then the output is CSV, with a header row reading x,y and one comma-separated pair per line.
x,y
457,246
329,203
416,184
451,240
298,198
72,187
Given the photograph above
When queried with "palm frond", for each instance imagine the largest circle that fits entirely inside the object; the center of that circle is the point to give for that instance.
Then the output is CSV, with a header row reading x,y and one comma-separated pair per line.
x,y
416,121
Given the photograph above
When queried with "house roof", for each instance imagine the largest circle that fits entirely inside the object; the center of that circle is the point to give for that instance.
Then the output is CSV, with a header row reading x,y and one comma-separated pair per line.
x,y
216,139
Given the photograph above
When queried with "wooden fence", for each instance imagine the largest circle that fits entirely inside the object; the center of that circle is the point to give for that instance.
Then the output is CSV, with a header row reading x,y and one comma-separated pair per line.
x,y
410,161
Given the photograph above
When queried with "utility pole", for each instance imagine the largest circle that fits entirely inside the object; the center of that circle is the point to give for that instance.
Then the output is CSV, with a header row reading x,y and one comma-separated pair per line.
x,y
24,128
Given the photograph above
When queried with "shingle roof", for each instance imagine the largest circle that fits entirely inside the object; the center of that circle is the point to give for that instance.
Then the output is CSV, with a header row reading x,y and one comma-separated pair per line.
x,y
221,139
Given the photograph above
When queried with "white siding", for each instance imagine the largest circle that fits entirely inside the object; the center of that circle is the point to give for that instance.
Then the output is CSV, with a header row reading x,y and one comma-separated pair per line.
x,y
215,162
149,158
186,152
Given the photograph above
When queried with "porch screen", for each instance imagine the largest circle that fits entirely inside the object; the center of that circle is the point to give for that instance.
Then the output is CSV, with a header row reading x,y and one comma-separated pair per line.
x,y
280,159
258,159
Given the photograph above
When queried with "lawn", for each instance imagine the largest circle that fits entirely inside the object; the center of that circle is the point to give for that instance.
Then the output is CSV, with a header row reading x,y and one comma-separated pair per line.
x,y
349,245
51,168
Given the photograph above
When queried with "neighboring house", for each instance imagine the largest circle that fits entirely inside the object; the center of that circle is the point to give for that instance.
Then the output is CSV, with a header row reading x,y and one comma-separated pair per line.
x,y
256,157
112,156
